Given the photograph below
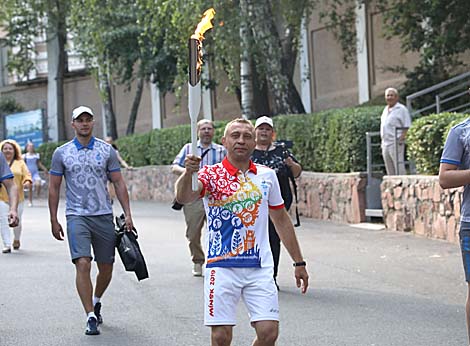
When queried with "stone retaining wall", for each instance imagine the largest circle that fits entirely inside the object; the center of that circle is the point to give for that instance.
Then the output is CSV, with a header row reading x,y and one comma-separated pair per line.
x,y
418,204
155,183
335,197
325,196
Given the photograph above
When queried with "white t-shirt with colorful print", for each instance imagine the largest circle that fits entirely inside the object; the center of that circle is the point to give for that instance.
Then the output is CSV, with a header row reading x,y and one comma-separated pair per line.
x,y
237,208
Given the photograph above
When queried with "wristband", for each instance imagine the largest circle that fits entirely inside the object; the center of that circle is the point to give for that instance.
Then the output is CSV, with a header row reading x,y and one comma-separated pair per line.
x,y
300,264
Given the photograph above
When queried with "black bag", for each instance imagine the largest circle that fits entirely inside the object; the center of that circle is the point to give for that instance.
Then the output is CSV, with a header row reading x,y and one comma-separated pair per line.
x,y
129,249
175,205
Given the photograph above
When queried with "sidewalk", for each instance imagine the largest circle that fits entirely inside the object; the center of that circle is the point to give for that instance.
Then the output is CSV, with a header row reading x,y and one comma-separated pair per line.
x,y
367,287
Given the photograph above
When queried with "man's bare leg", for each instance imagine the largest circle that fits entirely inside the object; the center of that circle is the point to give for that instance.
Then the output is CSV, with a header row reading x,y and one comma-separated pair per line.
x,y
266,333
83,282
221,335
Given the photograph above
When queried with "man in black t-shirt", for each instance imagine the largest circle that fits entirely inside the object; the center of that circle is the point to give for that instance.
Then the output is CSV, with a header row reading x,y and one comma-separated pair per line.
x,y
284,164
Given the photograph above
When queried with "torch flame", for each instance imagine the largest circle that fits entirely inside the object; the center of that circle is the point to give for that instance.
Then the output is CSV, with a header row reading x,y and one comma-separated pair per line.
x,y
204,25
197,38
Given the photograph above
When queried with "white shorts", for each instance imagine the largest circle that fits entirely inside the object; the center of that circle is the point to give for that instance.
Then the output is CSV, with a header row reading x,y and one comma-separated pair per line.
x,y
223,288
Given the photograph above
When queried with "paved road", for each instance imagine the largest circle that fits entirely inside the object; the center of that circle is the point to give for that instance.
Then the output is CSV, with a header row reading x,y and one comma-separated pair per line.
x,y
368,287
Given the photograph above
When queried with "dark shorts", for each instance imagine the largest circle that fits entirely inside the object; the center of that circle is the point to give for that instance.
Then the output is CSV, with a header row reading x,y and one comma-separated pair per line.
x,y
84,232
465,247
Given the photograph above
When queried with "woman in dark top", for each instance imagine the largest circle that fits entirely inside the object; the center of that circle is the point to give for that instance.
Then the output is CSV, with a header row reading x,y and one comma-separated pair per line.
x,y
279,158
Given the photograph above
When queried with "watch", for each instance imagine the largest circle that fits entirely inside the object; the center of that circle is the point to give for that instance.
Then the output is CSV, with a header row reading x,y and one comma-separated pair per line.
x,y
300,264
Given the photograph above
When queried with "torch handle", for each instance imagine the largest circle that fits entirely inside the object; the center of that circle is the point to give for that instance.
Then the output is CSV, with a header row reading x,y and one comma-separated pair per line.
x,y
194,105
194,152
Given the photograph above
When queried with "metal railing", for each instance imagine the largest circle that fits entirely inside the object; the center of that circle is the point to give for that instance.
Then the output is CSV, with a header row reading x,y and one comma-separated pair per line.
x,y
370,146
444,92
374,177
399,160
375,172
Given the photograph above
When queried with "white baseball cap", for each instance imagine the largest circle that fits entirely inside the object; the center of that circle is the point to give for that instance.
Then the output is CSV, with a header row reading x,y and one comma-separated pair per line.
x,y
264,120
80,110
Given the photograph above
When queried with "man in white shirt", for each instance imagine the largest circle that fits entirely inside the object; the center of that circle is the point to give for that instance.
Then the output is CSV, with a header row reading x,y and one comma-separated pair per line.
x,y
395,115
240,197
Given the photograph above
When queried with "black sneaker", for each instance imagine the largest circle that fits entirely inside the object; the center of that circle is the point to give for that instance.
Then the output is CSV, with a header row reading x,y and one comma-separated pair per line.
x,y
97,309
92,327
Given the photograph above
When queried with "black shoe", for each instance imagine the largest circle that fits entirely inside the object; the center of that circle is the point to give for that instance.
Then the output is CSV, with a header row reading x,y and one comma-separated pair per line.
x,y
92,327
97,309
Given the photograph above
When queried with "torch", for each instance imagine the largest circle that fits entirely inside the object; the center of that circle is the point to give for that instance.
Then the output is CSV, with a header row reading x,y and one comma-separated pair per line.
x,y
194,85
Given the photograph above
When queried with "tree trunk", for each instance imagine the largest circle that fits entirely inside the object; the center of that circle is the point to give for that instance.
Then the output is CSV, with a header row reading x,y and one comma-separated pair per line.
x,y
260,93
106,97
135,106
61,69
57,30
246,83
260,18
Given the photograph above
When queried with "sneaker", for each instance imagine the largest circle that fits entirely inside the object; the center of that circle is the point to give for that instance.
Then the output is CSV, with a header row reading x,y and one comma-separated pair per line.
x,y
97,309
6,249
92,327
197,269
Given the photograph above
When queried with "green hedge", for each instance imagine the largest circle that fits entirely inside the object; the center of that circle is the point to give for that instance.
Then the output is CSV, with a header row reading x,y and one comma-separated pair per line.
x,y
333,140
426,138
46,150
327,141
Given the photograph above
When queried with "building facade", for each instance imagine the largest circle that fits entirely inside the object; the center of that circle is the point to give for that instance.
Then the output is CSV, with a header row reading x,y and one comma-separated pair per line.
x,y
321,77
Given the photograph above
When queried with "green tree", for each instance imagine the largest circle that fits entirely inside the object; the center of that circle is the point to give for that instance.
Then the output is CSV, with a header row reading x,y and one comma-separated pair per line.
x,y
439,30
25,20
273,27
119,37
89,22
131,59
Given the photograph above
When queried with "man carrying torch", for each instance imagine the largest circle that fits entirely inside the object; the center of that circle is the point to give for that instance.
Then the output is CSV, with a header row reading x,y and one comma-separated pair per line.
x,y
239,198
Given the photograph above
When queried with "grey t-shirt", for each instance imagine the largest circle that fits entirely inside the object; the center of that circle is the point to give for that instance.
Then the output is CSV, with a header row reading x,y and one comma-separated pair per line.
x,y
5,171
457,152
86,170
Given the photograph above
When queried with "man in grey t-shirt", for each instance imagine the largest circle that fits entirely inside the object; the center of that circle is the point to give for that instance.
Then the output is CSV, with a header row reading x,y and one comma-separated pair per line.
x,y
454,171
86,163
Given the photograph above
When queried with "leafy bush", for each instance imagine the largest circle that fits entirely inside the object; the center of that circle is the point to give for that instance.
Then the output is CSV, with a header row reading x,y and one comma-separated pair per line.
x,y
9,105
135,149
46,150
426,138
332,140
160,146
458,119
328,141
166,143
